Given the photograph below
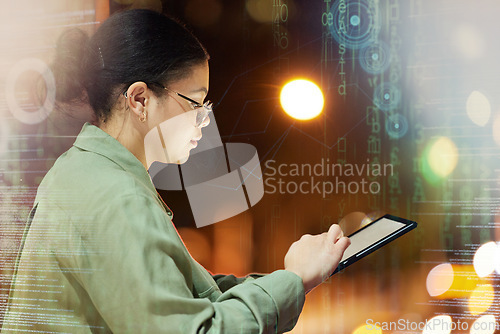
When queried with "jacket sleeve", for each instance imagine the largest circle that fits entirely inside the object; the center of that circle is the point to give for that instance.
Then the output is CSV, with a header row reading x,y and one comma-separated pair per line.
x,y
139,277
226,282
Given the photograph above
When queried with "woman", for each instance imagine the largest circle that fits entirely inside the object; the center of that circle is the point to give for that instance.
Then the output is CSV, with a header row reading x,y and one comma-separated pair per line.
x,y
101,254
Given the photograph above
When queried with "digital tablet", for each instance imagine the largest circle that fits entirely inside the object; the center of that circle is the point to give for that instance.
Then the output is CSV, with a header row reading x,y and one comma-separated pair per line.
x,y
373,236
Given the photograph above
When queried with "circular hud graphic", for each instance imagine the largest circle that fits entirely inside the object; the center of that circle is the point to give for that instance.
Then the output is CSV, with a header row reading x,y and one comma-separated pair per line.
x,y
375,58
387,96
17,107
396,126
355,24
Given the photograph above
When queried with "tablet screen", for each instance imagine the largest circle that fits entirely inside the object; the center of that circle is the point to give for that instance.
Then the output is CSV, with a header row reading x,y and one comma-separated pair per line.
x,y
373,236
370,235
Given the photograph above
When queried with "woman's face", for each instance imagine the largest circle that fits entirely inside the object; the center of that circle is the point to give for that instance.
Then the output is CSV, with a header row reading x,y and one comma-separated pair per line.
x,y
175,133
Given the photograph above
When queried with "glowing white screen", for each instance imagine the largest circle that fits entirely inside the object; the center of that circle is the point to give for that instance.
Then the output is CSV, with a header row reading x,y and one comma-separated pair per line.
x,y
370,235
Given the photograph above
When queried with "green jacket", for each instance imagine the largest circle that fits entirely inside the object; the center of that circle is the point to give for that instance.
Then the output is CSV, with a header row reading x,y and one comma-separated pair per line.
x,y
101,255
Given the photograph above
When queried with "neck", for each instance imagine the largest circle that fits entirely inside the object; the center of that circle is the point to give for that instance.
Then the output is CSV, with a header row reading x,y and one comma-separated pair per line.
x,y
123,129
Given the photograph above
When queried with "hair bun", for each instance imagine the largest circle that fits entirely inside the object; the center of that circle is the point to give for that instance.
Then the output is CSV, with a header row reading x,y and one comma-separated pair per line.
x,y
67,66
130,46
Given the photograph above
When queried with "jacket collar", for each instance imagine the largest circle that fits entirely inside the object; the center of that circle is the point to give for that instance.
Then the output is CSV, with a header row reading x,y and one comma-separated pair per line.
x,y
93,139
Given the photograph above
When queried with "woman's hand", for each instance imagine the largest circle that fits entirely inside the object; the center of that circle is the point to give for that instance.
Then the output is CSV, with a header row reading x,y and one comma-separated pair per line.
x,y
315,257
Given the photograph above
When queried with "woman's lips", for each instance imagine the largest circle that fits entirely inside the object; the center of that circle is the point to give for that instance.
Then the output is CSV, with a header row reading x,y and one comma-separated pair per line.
x,y
194,141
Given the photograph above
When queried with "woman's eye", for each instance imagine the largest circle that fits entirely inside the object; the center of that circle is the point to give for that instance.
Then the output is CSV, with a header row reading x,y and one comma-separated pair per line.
x,y
195,105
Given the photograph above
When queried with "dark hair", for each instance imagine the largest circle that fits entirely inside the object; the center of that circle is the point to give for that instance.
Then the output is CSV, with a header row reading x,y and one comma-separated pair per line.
x,y
133,45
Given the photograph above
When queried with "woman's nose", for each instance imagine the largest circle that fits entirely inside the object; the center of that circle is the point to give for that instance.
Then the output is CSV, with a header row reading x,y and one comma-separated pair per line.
x,y
205,122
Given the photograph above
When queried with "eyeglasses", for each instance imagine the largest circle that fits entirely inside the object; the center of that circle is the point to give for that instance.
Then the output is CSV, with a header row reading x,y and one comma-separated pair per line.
x,y
202,110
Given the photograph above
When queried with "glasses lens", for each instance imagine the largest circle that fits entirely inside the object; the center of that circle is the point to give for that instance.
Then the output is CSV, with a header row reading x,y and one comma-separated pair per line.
x,y
202,113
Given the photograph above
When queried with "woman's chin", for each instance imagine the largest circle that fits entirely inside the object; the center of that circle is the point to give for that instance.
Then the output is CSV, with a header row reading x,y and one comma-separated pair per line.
x,y
183,159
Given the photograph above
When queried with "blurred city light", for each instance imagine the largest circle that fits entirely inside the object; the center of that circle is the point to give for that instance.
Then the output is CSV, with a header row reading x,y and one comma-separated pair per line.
x,y
496,130
368,329
469,41
452,281
259,10
441,324
302,99
440,279
439,159
481,299
478,108
485,259
484,325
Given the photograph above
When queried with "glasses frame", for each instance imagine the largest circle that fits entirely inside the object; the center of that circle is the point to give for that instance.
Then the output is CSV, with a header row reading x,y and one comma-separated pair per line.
x,y
203,110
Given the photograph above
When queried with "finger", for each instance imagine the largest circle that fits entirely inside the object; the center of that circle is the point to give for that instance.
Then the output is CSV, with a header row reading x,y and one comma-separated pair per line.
x,y
334,233
339,249
305,236
343,243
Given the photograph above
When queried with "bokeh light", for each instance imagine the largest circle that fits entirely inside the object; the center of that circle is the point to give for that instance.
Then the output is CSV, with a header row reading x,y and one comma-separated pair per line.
x,y
367,220
368,329
481,299
497,257
469,41
443,156
484,325
441,324
478,108
260,10
439,159
302,99
486,259
496,129
371,216
440,279
452,281
352,222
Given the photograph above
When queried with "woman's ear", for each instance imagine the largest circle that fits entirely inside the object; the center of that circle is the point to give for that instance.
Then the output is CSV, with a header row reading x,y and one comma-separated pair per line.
x,y
137,96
